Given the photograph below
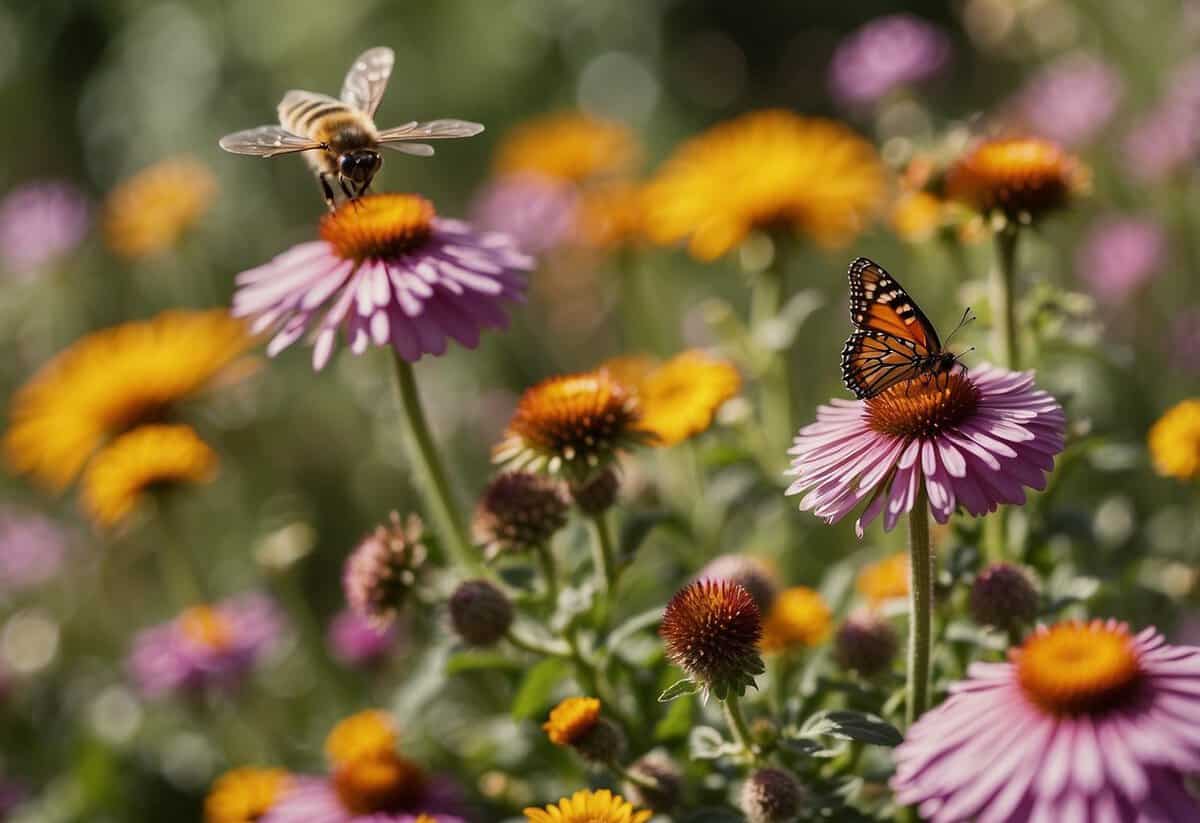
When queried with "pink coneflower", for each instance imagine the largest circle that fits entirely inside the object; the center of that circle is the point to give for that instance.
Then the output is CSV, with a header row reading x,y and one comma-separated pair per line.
x,y
538,212
1069,101
40,223
318,800
975,440
1087,722
32,549
209,646
386,271
360,642
1120,254
885,54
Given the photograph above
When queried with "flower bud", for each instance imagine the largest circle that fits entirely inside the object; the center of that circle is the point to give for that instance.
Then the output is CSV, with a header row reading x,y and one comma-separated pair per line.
x,y
711,629
577,722
1004,595
480,612
754,574
865,643
383,569
519,511
667,777
771,796
597,494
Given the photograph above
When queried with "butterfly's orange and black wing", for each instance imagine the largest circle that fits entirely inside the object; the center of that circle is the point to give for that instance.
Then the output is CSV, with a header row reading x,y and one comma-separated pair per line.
x,y
892,339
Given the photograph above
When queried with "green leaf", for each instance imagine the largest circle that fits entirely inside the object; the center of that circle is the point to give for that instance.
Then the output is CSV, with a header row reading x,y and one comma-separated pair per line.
x,y
639,622
534,694
865,728
675,723
678,689
476,659
637,527
706,743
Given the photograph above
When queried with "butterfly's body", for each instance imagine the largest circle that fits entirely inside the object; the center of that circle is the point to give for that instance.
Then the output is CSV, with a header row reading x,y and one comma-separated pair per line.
x,y
892,341
338,136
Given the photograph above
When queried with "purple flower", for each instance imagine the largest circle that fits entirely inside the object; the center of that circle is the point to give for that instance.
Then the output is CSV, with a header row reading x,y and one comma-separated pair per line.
x,y
885,54
386,271
537,212
1120,254
207,646
39,224
32,549
1070,100
1087,722
315,799
1168,138
975,440
358,641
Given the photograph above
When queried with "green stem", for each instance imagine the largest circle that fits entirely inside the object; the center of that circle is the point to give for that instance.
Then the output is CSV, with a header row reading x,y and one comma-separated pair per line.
x,y
644,781
640,307
439,497
766,301
176,564
1005,338
995,536
737,725
550,572
920,606
602,555
534,647
584,670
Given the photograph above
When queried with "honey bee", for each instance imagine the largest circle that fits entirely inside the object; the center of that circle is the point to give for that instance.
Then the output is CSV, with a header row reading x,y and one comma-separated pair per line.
x,y
340,134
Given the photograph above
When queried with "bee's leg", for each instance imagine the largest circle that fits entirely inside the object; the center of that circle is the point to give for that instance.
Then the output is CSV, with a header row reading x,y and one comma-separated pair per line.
x,y
327,190
346,190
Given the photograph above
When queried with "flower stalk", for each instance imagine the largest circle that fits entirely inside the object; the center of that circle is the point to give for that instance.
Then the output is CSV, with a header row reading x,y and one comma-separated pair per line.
x,y
920,606
1006,345
603,555
435,487
766,301
732,707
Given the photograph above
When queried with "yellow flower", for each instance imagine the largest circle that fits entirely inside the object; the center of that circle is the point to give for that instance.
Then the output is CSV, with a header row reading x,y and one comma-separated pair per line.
x,y
611,216
568,146
571,719
885,580
1175,441
147,214
764,170
798,617
244,795
588,807
680,397
152,456
370,733
109,382
1020,178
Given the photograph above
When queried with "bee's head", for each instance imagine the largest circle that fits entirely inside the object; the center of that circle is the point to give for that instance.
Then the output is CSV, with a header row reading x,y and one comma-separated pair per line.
x,y
359,166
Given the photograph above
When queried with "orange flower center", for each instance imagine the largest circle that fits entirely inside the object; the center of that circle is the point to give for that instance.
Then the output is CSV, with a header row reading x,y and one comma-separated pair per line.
x,y
1077,668
383,783
572,719
206,627
378,226
923,407
367,734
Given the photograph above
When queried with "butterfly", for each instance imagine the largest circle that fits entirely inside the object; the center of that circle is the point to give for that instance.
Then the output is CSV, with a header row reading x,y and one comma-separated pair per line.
x,y
893,341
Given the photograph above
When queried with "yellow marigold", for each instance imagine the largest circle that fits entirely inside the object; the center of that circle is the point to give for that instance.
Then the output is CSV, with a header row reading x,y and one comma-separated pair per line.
x,y
763,170
370,733
152,456
109,382
1020,178
570,146
571,719
244,795
678,398
799,617
610,215
1175,441
146,214
588,807
885,580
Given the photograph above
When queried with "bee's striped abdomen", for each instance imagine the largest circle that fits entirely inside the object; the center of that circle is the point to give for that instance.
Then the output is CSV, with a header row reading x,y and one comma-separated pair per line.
x,y
301,111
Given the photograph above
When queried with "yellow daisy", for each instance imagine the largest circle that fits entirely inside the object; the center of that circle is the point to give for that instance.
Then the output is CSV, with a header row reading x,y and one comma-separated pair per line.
x,y
798,618
1175,441
149,457
569,146
589,807
146,214
112,380
678,398
885,580
244,795
571,720
764,170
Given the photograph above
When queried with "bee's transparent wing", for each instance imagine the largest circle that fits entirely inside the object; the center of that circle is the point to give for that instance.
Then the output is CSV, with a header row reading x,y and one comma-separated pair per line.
x,y
395,138
367,79
266,141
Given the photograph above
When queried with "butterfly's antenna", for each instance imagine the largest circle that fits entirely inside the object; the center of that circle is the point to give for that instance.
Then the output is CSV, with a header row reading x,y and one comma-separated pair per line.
x,y
966,318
